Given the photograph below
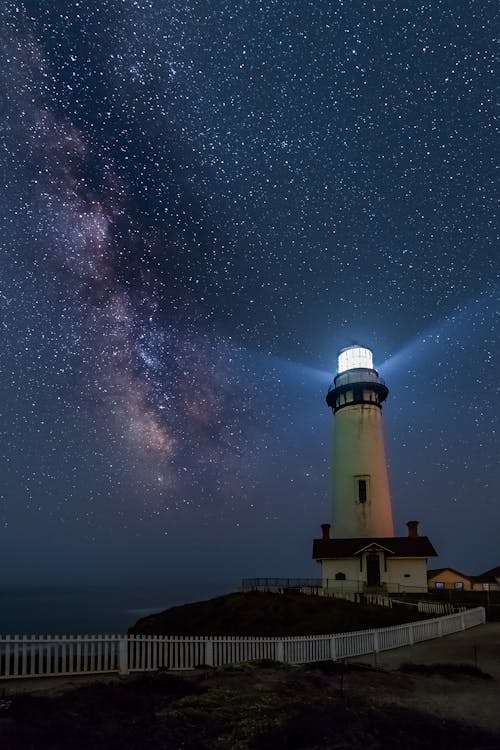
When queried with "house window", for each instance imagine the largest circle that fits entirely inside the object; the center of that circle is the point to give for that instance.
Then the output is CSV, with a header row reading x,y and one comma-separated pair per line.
x,y
459,584
362,490
439,585
340,576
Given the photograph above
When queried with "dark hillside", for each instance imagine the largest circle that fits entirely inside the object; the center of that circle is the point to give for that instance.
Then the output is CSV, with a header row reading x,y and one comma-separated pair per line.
x,y
261,613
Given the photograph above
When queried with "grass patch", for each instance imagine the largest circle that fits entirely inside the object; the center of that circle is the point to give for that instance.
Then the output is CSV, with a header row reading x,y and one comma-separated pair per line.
x,y
258,664
356,725
340,667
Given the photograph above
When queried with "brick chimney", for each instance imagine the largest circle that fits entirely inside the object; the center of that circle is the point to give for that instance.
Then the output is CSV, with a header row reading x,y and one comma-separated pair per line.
x,y
325,528
412,529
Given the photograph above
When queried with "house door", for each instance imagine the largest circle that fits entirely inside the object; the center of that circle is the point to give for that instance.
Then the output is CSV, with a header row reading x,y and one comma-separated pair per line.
x,y
373,570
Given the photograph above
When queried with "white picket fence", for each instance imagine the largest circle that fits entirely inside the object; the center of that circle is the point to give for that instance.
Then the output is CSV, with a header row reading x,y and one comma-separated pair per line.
x,y
380,600
438,608
44,656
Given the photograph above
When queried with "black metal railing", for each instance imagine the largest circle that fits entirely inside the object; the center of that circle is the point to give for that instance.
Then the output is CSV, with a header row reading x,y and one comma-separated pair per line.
x,y
281,583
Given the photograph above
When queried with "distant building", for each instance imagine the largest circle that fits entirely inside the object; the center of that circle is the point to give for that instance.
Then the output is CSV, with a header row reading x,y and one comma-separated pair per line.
x,y
364,554
450,578
489,580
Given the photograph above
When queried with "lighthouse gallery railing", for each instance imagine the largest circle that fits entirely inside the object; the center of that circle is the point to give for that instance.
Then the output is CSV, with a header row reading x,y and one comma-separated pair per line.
x,y
44,656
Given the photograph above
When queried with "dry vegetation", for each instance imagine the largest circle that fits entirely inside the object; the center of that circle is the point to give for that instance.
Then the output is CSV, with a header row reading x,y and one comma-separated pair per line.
x,y
261,613
250,707
263,706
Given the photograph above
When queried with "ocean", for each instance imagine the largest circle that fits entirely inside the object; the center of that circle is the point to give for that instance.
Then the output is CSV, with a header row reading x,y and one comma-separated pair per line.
x,y
98,609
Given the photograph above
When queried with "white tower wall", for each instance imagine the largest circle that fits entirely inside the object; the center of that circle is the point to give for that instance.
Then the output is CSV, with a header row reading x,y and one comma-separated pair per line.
x,y
359,455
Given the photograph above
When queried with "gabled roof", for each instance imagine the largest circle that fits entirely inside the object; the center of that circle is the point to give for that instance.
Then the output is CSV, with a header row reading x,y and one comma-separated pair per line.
x,y
433,572
484,578
397,546
493,573
372,546
490,576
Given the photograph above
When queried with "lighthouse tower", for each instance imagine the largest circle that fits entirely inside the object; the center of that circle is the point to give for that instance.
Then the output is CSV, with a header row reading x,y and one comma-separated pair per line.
x,y
361,496
362,553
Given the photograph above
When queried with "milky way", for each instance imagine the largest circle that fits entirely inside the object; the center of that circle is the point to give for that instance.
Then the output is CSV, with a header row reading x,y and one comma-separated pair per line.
x,y
202,202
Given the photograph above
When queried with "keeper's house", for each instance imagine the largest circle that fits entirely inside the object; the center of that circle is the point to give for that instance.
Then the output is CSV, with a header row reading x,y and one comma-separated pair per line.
x,y
391,564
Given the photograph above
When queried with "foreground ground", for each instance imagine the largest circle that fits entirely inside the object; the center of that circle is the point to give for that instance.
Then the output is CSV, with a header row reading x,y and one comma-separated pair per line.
x,y
478,702
260,706
442,694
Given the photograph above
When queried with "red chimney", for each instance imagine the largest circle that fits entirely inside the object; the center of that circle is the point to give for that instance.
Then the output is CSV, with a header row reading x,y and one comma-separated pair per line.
x,y
412,529
325,528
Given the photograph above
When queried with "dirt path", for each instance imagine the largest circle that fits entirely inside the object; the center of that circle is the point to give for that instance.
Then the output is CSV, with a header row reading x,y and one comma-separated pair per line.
x,y
469,699
479,646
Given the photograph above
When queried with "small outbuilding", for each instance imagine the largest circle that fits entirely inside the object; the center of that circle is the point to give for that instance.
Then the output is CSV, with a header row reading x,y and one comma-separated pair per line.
x,y
449,578
390,564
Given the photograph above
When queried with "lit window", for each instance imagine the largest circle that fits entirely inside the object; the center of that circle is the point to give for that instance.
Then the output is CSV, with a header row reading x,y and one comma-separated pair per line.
x,y
439,585
459,584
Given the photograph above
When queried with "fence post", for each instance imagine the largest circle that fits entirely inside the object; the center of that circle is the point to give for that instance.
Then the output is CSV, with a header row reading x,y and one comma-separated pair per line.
x,y
462,620
280,651
333,649
123,655
440,628
376,641
411,634
209,652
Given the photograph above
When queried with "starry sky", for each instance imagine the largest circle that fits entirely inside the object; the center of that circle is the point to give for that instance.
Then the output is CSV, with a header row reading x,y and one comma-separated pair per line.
x,y
202,202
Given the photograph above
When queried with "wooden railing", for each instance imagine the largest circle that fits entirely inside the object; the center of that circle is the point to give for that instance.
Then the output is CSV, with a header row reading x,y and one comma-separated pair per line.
x,y
44,656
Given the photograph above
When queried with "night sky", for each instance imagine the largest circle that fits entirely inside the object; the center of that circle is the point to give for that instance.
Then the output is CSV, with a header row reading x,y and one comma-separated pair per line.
x,y
202,202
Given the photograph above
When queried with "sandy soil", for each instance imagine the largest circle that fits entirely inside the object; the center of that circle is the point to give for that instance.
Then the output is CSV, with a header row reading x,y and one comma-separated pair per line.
x,y
473,700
